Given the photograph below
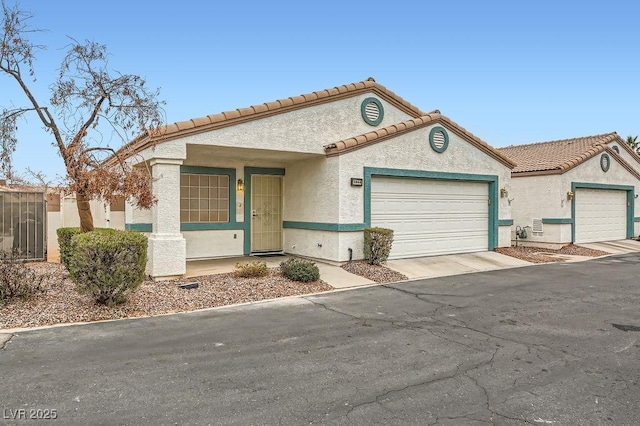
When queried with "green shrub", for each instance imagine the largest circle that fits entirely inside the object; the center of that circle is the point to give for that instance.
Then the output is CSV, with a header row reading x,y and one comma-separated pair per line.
x,y
64,241
106,265
377,245
302,270
17,280
251,269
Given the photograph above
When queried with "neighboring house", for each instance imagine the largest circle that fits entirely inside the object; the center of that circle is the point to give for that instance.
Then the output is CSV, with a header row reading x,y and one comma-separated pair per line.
x,y
575,190
305,175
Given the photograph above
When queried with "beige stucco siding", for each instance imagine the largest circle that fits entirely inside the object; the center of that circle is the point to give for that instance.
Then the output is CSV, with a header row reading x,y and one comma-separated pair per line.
x,y
303,130
543,197
311,191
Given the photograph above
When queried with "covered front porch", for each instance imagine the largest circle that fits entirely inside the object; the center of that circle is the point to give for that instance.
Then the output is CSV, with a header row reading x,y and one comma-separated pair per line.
x,y
219,201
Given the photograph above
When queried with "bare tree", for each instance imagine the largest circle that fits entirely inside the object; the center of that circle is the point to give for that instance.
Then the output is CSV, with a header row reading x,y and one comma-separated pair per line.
x,y
85,99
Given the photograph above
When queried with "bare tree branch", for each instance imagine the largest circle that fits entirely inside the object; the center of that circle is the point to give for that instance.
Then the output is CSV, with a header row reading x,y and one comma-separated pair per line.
x,y
85,97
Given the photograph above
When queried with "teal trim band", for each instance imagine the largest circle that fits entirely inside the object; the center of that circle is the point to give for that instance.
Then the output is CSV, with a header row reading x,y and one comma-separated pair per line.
x,y
198,170
636,219
492,180
140,227
557,220
263,171
232,191
211,226
575,185
505,222
434,146
318,226
363,111
248,172
586,185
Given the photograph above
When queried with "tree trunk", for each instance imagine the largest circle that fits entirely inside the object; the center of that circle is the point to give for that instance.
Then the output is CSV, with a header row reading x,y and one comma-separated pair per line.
x,y
84,210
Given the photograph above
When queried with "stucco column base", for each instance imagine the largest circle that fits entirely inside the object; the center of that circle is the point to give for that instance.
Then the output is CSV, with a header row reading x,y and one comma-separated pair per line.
x,y
166,255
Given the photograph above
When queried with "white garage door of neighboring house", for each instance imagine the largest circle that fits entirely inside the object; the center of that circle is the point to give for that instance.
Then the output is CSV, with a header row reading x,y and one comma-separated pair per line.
x,y
601,215
431,217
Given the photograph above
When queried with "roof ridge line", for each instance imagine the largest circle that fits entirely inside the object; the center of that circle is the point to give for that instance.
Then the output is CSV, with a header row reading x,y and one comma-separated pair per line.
x,y
603,135
378,135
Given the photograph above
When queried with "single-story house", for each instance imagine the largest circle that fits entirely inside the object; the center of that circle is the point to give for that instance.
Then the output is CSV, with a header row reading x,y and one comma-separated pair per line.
x,y
575,190
305,175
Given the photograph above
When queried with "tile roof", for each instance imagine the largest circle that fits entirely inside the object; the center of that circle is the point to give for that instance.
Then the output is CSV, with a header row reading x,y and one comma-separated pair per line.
x,y
557,157
229,118
375,136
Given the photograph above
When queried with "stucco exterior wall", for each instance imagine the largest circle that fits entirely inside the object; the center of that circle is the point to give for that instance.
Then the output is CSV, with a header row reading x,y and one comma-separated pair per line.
x,y
312,243
303,130
311,191
544,197
213,243
411,151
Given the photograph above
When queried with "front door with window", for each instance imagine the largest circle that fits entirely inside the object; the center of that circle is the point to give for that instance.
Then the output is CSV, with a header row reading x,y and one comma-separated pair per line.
x,y
266,213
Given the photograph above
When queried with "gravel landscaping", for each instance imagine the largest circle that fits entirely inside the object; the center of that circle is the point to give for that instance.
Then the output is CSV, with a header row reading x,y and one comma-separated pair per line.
x,y
543,255
376,273
60,303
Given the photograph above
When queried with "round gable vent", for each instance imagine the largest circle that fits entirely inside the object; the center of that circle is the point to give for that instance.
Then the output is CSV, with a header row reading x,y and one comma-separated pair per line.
x,y
605,162
372,111
616,149
438,139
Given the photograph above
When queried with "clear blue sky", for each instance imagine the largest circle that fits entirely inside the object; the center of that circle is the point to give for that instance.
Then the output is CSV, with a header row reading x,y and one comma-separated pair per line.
x,y
511,72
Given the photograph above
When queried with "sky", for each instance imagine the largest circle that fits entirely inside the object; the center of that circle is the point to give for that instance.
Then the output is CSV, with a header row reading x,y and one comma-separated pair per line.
x,y
510,72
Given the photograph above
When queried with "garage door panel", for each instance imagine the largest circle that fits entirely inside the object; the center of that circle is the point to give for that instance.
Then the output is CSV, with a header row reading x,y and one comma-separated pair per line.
x,y
600,215
431,217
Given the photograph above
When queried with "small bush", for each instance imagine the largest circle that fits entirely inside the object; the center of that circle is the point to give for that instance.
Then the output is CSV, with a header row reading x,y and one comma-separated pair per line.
x,y
377,245
251,269
64,242
106,265
302,270
17,280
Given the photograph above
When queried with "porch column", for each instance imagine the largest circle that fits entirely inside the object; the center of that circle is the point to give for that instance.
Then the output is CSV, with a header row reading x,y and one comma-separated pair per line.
x,y
167,247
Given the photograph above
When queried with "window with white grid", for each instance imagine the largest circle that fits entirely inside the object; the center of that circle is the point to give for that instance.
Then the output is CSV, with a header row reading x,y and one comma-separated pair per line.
x,y
204,198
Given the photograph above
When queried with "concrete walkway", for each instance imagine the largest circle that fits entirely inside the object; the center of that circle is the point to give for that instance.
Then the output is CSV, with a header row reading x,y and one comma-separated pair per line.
x,y
615,247
454,264
333,275
419,267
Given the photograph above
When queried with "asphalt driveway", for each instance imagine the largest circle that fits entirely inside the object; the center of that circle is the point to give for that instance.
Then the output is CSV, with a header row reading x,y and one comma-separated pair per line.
x,y
545,345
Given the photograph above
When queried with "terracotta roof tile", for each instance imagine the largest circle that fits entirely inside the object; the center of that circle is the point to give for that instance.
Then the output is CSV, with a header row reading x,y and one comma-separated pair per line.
x,y
202,121
246,111
557,156
227,118
260,108
379,135
230,115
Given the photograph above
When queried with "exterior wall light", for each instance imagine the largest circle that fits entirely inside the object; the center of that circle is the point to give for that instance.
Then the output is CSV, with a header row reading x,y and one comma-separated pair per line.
x,y
240,185
504,192
570,195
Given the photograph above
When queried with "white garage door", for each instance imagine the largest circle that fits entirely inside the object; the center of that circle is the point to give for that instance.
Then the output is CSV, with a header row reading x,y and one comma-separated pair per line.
x,y
601,215
431,217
